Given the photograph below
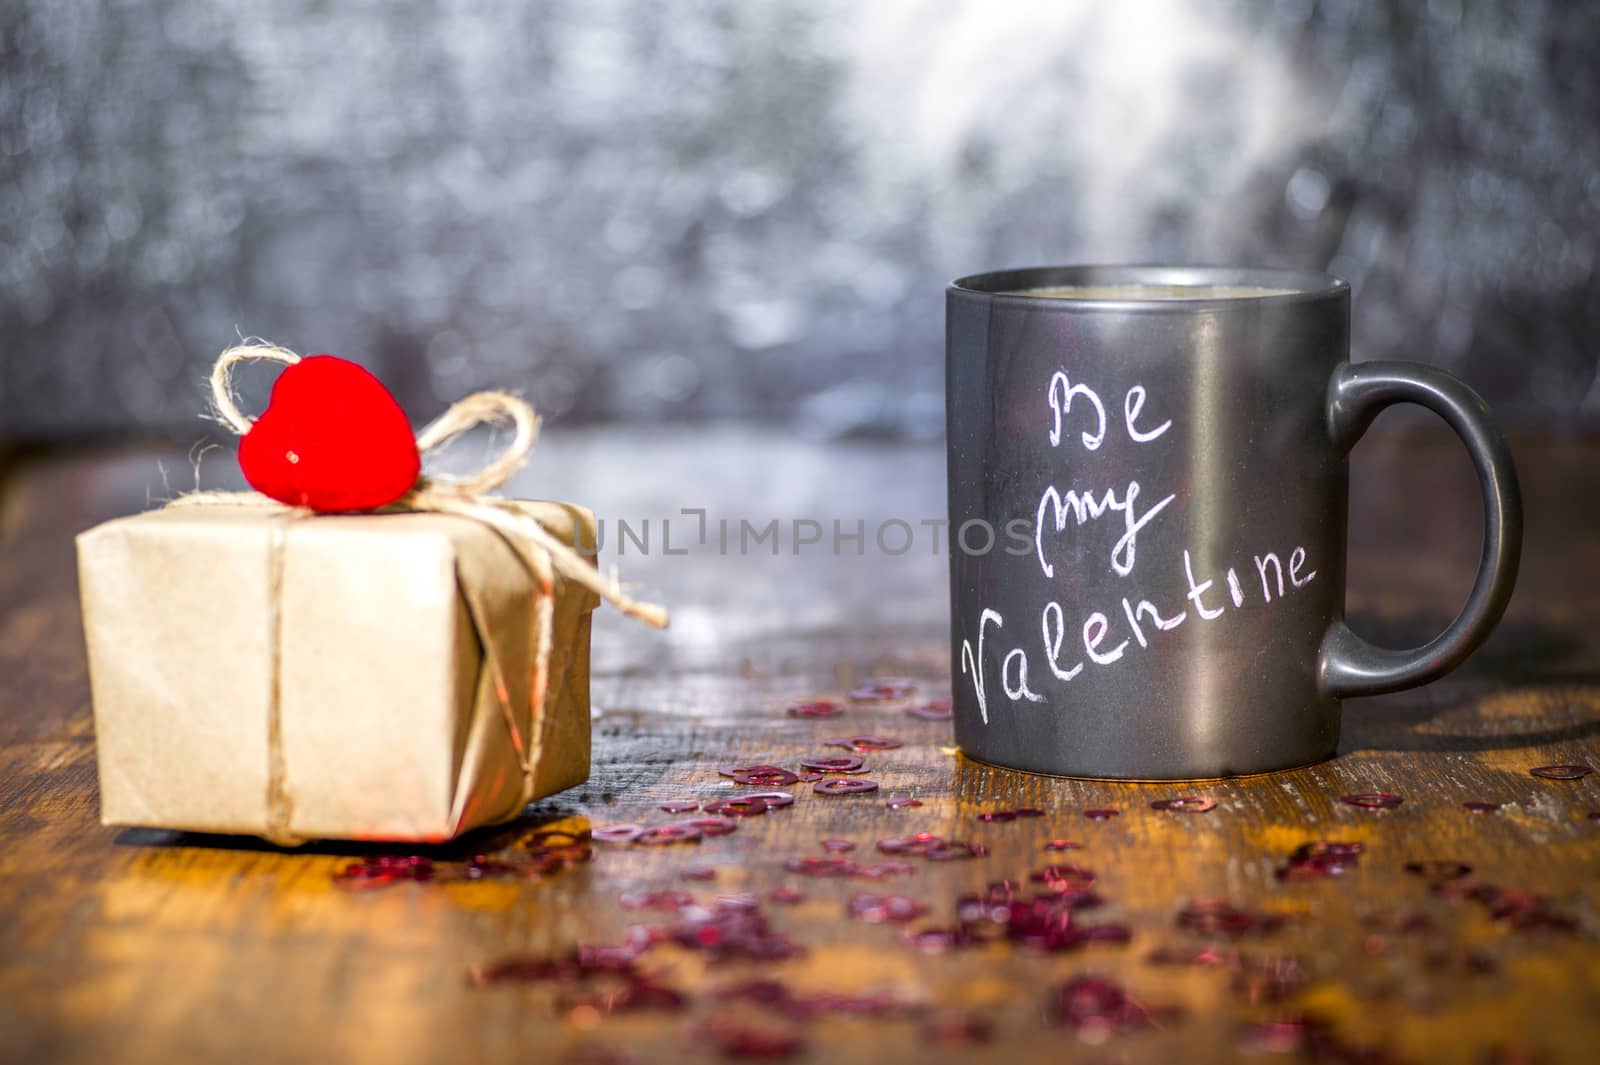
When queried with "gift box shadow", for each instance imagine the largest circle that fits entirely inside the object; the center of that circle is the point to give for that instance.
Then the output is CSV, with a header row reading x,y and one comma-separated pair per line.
x,y
486,840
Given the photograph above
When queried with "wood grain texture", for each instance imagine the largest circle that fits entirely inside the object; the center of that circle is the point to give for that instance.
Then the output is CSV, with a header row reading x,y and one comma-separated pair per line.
x,y
120,945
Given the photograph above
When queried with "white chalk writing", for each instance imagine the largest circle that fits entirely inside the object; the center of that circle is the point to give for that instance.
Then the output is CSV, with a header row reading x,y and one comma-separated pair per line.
x,y
1060,405
1084,508
1100,641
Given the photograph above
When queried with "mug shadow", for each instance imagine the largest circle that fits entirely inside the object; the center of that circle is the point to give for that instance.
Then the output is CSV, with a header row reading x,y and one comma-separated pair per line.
x,y
1381,726
1526,659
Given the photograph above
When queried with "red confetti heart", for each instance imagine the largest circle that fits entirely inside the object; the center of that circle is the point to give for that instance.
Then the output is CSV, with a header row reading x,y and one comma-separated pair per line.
x,y
839,786
1561,772
737,807
626,832
848,763
1373,800
815,708
332,438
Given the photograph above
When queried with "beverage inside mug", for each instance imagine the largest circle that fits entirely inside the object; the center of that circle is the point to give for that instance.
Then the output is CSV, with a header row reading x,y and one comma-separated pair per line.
x,y
1148,490
1151,292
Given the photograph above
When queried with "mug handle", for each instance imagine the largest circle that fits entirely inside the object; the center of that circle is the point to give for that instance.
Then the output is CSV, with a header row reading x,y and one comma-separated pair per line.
x,y
1357,392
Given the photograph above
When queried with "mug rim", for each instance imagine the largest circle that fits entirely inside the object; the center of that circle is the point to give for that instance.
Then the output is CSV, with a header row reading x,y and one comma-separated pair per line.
x,y
1304,286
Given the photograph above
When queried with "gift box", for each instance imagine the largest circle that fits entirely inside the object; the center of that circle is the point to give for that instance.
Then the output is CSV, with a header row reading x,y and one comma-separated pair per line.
x,y
357,650
369,676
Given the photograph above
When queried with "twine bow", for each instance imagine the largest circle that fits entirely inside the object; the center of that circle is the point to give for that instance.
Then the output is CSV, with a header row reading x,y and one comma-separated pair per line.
x,y
536,548
455,495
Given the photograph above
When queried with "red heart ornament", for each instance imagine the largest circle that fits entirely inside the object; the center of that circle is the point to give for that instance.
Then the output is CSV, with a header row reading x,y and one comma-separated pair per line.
x,y
332,438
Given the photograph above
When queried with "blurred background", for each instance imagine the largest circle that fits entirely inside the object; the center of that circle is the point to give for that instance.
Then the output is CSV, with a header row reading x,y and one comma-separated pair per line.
x,y
720,209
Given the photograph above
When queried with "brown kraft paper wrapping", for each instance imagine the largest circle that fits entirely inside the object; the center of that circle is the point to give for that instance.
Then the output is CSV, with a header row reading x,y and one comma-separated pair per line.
x,y
359,641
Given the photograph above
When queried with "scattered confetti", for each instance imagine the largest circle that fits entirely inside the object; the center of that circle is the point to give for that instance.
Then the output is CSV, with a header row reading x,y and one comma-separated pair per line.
x,y
883,869
844,787
1372,800
577,969
541,854
1262,980
838,846
815,708
932,710
1561,772
665,835
863,743
881,909
761,776
384,870
1189,804
902,803
778,997
1198,957
773,799
1519,910
1044,922
1103,814
811,865
736,900
505,865
883,689
727,932
1218,917
1062,874
1062,845
684,806
655,900
929,846
740,806
1096,1008
711,827
848,763
1319,860
620,833
933,940
840,866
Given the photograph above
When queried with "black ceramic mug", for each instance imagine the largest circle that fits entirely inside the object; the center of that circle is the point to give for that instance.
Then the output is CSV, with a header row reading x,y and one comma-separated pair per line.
x,y
1148,488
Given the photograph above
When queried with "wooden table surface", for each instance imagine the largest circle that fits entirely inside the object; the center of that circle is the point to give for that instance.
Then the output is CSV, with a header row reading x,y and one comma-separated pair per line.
x,y
139,945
